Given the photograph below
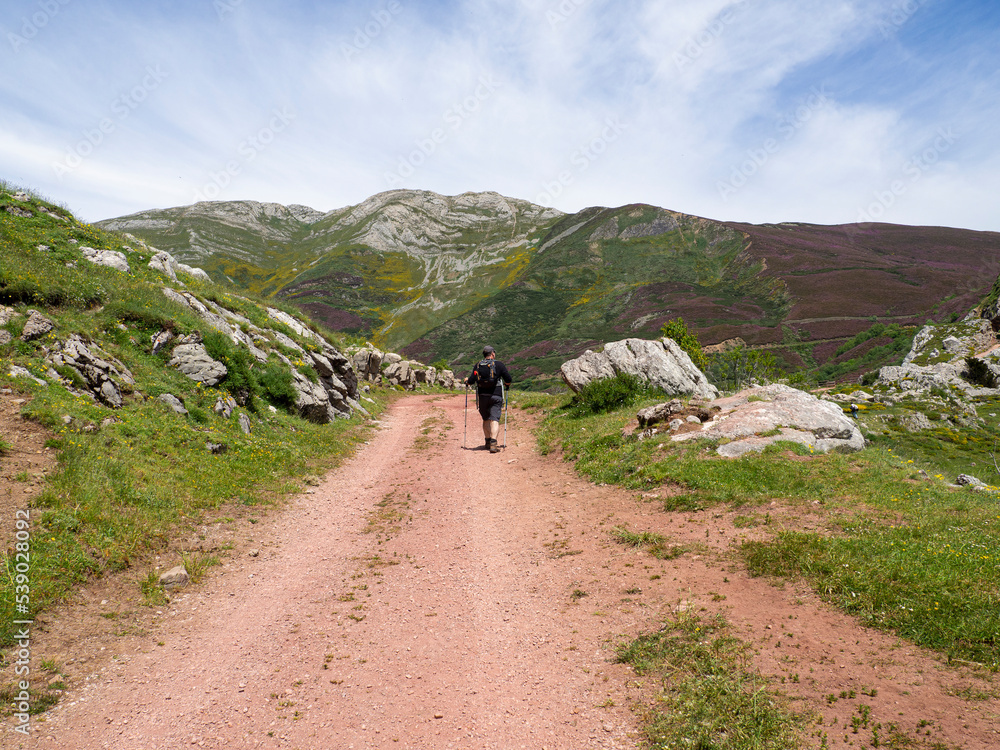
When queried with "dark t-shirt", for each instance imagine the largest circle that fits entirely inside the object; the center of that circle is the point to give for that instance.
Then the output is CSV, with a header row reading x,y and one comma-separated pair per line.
x,y
502,375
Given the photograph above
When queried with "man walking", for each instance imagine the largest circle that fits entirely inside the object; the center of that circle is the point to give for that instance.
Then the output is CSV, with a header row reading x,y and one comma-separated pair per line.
x,y
490,377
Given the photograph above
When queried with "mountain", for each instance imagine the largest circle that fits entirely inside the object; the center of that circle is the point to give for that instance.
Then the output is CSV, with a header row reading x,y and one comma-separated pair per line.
x,y
438,276
392,267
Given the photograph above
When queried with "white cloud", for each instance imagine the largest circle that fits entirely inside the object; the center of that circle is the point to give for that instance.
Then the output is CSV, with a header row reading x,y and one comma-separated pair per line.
x,y
394,92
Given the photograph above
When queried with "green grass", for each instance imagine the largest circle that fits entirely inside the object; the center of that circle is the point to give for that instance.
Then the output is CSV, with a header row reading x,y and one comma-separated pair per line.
x,y
904,552
708,695
129,480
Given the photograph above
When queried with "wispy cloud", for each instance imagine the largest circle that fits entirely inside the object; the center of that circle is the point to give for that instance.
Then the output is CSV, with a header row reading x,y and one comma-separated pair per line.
x,y
755,110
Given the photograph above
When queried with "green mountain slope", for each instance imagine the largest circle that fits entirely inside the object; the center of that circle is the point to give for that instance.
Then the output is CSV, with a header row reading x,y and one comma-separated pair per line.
x,y
438,276
392,267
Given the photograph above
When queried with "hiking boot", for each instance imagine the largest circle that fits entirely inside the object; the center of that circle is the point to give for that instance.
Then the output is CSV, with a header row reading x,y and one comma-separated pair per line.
x,y
494,448
488,443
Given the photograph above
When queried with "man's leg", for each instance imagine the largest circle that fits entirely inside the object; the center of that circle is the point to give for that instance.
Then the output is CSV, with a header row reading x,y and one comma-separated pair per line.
x,y
487,431
494,433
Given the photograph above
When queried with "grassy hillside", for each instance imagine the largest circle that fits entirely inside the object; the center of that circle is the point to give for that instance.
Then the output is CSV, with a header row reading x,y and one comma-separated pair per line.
x,y
130,479
438,276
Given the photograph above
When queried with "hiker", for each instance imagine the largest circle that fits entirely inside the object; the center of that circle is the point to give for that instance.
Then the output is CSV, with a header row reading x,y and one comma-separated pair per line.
x,y
490,377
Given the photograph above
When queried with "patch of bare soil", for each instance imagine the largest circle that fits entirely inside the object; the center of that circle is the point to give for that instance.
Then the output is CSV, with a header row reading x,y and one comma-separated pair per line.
x,y
24,466
428,596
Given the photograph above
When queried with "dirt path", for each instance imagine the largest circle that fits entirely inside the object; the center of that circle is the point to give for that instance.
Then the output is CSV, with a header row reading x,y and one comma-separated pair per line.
x,y
426,596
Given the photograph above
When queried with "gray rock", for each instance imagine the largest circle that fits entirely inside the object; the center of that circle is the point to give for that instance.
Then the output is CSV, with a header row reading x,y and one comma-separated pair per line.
x,y
16,371
245,425
36,326
165,263
7,314
198,273
175,578
224,406
193,360
916,422
968,479
105,377
5,337
160,340
391,358
110,258
662,364
173,402
652,415
757,417
216,448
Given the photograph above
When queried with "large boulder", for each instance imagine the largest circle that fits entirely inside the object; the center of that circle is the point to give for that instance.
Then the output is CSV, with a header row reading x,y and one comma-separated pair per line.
x,y
757,417
103,376
110,258
662,364
194,361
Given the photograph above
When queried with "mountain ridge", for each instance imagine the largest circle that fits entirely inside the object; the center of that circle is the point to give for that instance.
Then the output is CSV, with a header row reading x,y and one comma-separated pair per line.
x,y
431,274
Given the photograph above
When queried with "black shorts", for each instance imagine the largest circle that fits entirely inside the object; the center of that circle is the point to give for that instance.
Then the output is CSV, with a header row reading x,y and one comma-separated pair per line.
x,y
490,406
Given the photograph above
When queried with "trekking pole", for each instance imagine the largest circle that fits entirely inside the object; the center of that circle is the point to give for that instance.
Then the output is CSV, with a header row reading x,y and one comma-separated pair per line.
x,y
465,435
503,393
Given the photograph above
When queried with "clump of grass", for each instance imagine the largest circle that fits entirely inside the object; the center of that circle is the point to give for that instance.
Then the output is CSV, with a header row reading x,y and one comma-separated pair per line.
x,y
609,394
656,544
709,695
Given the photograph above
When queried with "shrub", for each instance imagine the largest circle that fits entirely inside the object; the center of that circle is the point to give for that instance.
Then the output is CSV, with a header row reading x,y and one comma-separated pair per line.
x,y
276,383
736,368
609,394
979,373
677,330
240,381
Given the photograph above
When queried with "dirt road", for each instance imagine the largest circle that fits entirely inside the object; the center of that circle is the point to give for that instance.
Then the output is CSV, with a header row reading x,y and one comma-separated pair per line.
x,y
426,596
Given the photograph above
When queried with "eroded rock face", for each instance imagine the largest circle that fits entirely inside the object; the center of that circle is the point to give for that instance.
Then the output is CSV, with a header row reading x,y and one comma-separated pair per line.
x,y
110,258
662,364
757,417
194,361
104,376
36,326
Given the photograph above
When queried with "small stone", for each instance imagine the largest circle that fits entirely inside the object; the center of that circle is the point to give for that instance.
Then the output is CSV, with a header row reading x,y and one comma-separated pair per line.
x,y
175,577
254,552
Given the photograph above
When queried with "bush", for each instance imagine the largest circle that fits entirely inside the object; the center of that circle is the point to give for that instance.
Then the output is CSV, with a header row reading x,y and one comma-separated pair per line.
x,y
736,368
609,394
677,330
979,373
276,383
240,381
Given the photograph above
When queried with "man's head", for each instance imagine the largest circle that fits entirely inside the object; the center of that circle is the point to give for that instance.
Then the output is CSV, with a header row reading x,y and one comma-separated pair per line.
x,y
488,352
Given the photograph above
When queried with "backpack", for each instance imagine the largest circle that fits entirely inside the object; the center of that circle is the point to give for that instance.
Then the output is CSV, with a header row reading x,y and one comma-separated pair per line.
x,y
486,374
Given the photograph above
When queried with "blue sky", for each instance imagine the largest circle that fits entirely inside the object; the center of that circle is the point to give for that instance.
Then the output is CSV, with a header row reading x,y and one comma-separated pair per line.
x,y
827,111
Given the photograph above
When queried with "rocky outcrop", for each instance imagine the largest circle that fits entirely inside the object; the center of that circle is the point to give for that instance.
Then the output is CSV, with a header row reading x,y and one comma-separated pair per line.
x,y
389,368
757,417
110,258
168,265
102,376
662,364
174,403
194,361
36,326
